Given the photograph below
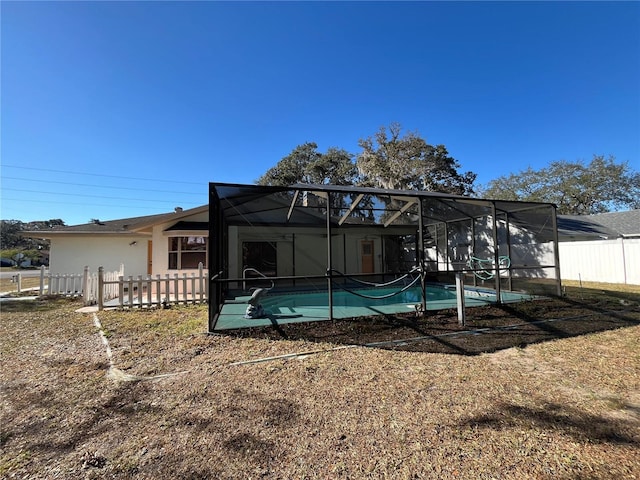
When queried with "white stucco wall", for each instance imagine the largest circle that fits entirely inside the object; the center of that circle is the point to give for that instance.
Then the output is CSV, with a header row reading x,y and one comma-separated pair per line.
x,y
70,254
302,251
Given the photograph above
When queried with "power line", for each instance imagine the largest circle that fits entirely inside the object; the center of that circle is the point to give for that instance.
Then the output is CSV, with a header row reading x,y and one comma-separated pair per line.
x,y
136,207
99,175
89,196
99,186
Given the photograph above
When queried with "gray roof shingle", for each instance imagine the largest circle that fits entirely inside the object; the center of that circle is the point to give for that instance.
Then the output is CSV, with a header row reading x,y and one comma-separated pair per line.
x,y
123,226
582,227
626,223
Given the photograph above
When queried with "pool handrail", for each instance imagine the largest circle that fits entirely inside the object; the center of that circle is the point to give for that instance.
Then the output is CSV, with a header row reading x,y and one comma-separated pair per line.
x,y
251,269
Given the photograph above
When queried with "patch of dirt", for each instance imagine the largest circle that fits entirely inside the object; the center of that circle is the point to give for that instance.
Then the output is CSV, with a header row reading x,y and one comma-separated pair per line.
x,y
486,329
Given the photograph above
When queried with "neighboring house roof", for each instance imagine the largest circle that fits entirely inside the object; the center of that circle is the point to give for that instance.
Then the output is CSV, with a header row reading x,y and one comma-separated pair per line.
x,y
582,227
626,223
134,225
599,226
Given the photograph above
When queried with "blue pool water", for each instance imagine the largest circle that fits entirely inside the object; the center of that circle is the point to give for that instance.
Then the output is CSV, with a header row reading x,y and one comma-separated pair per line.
x,y
304,306
341,298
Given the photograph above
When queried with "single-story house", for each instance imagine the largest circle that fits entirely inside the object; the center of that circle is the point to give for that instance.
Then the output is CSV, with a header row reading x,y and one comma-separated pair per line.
x,y
371,238
161,244
283,232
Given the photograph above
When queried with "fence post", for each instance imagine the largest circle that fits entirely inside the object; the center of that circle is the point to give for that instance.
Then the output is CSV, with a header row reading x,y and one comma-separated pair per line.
x,y
140,296
42,268
158,290
18,277
130,291
149,283
85,285
184,289
200,280
460,297
121,290
100,288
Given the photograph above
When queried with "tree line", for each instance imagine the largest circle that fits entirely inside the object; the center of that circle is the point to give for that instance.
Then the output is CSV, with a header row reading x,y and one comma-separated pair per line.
x,y
14,246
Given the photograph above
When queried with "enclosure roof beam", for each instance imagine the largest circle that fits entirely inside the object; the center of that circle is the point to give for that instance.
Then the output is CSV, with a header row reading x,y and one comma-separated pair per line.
x,y
351,208
524,209
407,206
319,193
456,209
293,204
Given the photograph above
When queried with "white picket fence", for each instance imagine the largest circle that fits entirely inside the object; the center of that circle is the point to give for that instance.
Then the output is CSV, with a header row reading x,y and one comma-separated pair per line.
x,y
85,284
158,291
113,289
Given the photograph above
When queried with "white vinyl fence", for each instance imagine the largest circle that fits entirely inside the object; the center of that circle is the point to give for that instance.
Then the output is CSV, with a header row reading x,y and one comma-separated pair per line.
x,y
609,261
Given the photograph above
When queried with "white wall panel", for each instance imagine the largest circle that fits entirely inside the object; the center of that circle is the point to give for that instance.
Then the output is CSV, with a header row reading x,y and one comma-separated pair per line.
x,y
610,261
70,254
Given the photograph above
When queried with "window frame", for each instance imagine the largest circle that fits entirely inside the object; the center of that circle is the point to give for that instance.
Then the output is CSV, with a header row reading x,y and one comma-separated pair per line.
x,y
267,248
179,252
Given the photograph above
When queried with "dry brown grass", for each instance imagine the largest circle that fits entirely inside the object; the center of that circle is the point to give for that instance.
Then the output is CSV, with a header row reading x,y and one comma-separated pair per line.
x,y
6,285
609,287
566,408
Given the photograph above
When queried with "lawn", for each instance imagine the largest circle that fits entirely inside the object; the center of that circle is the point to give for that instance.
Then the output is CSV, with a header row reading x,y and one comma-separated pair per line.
x,y
6,285
539,400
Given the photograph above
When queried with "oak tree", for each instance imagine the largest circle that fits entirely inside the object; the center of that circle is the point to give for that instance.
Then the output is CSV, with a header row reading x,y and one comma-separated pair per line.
x,y
306,165
577,188
394,161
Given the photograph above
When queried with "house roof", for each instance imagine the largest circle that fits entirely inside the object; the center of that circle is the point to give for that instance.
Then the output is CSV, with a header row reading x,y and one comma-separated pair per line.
x,y
124,226
599,226
582,227
181,225
626,223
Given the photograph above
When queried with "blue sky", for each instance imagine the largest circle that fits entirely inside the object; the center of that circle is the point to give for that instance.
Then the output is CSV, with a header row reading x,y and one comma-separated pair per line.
x,y
119,109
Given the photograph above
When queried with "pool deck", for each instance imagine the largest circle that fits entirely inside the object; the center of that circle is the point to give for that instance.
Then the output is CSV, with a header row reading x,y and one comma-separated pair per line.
x,y
232,314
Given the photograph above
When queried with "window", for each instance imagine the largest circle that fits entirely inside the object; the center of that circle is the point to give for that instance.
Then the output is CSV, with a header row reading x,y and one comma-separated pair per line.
x,y
262,256
399,253
187,252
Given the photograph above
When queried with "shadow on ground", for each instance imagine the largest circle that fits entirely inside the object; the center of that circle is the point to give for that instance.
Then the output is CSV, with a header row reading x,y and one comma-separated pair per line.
x,y
487,329
551,416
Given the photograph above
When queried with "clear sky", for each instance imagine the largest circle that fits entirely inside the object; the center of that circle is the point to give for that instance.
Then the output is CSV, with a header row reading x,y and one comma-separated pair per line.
x,y
119,109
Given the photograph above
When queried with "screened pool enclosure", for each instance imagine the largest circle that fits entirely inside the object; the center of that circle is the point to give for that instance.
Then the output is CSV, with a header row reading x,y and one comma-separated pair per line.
x,y
320,252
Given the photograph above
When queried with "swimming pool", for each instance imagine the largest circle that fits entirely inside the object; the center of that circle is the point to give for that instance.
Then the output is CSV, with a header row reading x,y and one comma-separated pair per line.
x,y
307,306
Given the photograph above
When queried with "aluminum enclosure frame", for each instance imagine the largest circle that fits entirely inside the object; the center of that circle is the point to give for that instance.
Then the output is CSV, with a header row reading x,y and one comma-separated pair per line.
x,y
498,229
